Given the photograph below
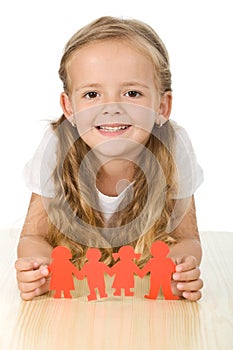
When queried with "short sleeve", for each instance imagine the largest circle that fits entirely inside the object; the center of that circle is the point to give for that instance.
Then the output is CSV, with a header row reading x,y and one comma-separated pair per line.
x,y
189,172
38,171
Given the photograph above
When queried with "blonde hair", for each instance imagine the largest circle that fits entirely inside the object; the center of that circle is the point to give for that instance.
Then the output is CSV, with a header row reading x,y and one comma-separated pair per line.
x,y
136,32
152,200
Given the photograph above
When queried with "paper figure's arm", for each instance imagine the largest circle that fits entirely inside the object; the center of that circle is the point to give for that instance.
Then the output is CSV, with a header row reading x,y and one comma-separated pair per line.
x,y
112,270
84,271
50,268
139,272
109,270
144,271
79,275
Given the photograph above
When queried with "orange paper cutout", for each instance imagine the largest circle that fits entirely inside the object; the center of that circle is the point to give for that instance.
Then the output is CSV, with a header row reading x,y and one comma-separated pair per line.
x,y
125,270
62,271
94,271
161,269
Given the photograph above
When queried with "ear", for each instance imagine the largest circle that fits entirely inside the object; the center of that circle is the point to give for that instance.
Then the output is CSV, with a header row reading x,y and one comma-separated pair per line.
x,y
66,106
165,105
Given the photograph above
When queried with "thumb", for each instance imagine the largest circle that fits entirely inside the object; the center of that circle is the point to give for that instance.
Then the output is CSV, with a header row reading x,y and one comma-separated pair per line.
x,y
189,263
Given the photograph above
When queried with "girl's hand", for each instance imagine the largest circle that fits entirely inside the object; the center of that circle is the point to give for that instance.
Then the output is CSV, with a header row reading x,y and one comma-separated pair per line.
x,y
187,278
32,276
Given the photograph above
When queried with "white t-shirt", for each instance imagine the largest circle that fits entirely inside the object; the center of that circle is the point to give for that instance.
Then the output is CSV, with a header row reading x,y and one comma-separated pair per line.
x,y
38,171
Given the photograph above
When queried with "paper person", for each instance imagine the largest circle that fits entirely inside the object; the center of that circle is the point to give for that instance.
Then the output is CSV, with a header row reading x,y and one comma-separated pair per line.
x,y
124,270
161,269
94,271
62,271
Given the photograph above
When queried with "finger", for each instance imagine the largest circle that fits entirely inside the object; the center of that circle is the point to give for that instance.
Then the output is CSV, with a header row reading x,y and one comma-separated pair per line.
x,y
29,287
30,276
25,264
44,269
33,275
190,286
27,296
175,290
189,263
190,275
44,288
192,296
36,292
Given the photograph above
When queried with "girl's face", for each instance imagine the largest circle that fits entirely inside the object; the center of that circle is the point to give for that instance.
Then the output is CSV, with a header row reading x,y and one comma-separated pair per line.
x,y
113,97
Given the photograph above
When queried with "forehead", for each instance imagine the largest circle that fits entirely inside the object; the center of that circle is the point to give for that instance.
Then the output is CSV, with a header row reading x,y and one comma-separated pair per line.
x,y
123,55
135,44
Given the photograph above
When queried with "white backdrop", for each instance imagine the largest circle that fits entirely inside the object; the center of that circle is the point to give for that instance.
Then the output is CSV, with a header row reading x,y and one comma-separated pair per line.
x,y
198,36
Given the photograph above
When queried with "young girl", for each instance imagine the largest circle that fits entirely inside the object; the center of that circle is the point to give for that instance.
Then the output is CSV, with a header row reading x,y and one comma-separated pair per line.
x,y
113,170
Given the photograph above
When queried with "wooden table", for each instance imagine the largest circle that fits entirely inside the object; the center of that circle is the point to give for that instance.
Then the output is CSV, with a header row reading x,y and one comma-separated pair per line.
x,y
121,322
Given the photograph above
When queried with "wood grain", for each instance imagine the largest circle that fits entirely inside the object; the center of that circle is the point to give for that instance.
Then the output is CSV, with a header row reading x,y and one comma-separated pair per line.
x,y
119,323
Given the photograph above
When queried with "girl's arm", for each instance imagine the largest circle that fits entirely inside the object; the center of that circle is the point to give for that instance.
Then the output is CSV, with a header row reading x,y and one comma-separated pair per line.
x,y
187,255
33,251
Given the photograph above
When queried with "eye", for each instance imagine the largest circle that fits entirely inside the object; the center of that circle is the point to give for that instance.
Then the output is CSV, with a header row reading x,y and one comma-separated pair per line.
x,y
91,94
133,94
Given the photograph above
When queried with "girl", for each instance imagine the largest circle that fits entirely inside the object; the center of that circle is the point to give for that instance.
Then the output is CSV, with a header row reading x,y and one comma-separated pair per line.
x,y
113,170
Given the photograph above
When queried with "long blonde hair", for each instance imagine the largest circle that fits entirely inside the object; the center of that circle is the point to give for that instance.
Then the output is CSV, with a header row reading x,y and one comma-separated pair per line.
x,y
140,220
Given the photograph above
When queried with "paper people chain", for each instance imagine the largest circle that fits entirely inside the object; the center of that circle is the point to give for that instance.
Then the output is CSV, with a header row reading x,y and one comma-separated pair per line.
x,y
159,266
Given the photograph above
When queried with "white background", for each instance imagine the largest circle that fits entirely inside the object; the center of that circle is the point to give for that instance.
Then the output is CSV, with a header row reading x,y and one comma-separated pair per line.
x,y
198,36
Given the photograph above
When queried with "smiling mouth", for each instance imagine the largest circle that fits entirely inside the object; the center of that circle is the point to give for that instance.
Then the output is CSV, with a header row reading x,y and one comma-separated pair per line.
x,y
112,128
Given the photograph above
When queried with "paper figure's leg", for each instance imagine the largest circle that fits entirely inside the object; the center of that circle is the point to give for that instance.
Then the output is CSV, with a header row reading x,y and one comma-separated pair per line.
x,y
153,293
167,291
117,292
128,292
102,292
92,295
57,294
67,294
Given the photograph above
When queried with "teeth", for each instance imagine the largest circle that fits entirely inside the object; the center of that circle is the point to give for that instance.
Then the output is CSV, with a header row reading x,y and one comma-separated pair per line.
x,y
113,128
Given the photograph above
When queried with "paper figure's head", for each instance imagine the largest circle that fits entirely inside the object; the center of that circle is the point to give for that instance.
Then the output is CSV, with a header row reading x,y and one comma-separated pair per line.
x,y
61,253
126,253
159,249
93,254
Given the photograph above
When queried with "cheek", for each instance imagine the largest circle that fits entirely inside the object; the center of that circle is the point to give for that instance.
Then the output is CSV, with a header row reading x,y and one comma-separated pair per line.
x,y
142,136
84,127
143,118
88,138
84,121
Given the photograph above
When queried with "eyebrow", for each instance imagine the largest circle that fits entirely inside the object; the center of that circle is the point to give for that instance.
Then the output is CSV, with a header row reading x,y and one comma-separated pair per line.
x,y
133,83
87,85
125,84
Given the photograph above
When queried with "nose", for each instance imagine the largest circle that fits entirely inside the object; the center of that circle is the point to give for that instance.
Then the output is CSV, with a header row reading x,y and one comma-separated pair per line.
x,y
112,109
113,112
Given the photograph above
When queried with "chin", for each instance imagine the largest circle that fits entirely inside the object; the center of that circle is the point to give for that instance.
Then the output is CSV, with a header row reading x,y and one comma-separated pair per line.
x,y
124,149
